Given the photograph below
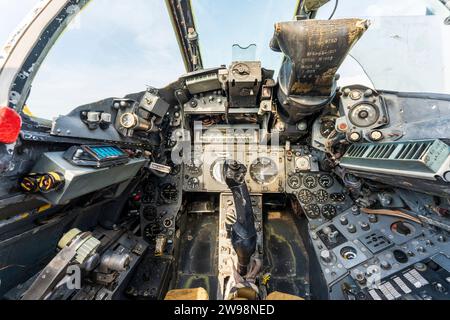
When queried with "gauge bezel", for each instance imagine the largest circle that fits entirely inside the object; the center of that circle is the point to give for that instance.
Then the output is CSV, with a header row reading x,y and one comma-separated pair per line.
x,y
299,179
272,179
316,182
355,106
321,182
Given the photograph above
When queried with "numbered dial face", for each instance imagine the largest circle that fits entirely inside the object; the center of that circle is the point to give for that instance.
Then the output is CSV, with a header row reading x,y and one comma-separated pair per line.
x,y
337,197
217,171
329,211
176,169
169,193
193,170
305,196
326,128
322,196
128,120
264,170
150,213
312,211
310,181
151,230
326,181
193,183
364,115
241,70
295,182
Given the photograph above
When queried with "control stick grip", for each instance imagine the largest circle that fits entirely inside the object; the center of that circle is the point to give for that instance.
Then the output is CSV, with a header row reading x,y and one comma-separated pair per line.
x,y
243,232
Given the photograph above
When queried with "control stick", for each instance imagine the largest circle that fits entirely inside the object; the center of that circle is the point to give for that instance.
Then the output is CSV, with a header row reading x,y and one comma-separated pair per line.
x,y
243,232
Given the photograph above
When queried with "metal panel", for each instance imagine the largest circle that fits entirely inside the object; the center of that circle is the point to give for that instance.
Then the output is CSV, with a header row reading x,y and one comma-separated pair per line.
x,y
81,180
423,159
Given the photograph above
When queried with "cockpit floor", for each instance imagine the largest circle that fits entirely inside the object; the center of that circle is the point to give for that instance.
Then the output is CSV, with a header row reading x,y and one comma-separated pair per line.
x,y
285,255
197,265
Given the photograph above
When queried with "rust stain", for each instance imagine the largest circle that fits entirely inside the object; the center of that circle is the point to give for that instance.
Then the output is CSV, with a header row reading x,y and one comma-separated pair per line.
x,y
356,30
277,27
299,88
323,45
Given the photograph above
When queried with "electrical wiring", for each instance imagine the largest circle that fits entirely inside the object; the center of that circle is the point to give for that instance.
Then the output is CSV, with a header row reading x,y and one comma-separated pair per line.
x,y
393,213
334,10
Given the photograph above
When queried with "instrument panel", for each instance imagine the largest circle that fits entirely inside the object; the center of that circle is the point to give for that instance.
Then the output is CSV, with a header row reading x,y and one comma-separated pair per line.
x,y
265,168
372,248
364,111
320,194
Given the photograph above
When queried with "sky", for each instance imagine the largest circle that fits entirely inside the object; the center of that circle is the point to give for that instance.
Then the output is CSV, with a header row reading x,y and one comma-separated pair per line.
x,y
221,25
116,47
113,48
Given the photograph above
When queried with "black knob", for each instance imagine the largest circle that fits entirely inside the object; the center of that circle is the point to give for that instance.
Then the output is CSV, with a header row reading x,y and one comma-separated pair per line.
x,y
365,226
400,256
343,220
351,228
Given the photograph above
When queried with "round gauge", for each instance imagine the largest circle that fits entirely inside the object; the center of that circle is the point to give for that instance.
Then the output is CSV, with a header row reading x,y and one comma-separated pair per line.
x,y
295,182
337,197
169,193
310,181
149,213
176,168
241,70
149,193
322,196
305,196
327,127
264,170
326,181
312,211
128,120
193,171
364,115
302,163
193,183
151,231
329,211
217,171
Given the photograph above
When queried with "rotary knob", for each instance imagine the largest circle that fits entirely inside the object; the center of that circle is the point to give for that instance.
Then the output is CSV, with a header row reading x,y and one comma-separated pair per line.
x,y
325,256
365,226
385,265
351,228
361,278
373,218
355,211
327,230
421,249
343,221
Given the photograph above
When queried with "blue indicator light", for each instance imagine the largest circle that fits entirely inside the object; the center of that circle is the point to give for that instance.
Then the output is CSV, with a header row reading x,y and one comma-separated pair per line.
x,y
107,152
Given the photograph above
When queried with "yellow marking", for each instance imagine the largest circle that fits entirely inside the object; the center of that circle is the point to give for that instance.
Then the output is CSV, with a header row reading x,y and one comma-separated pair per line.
x,y
266,279
44,208
26,110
